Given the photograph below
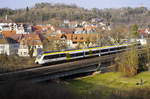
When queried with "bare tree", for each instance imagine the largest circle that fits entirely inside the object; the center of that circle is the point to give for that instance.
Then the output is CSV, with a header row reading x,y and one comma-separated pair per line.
x,y
128,62
54,44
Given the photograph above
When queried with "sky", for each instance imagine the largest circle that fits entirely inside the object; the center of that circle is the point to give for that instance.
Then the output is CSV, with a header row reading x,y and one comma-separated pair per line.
x,y
15,4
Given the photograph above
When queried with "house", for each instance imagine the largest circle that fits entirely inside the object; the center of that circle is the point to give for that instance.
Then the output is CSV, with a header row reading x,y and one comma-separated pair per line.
x,y
66,21
8,26
42,27
8,46
86,29
25,41
28,42
73,24
23,28
144,33
90,29
96,20
5,26
20,28
79,30
64,30
74,39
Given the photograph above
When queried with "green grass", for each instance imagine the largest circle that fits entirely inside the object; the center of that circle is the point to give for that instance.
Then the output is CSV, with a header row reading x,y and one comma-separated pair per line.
x,y
109,82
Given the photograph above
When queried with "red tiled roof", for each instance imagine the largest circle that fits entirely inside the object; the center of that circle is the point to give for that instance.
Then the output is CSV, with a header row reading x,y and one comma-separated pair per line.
x,y
37,27
8,33
79,37
29,39
144,31
90,27
40,27
79,29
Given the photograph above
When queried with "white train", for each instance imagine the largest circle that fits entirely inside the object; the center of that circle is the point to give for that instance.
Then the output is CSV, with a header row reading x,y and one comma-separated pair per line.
x,y
57,56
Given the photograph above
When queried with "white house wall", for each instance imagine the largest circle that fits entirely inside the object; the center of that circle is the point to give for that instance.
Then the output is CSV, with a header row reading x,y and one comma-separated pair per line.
x,y
24,51
13,48
4,49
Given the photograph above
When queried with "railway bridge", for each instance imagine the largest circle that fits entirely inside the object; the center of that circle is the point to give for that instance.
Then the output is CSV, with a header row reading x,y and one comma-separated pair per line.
x,y
43,73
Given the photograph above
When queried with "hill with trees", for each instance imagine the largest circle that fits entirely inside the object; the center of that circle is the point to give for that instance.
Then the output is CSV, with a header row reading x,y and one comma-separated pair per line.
x,y
52,13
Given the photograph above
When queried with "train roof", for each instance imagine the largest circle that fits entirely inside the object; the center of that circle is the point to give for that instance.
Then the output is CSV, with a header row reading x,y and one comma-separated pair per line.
x,y
73,50
59,51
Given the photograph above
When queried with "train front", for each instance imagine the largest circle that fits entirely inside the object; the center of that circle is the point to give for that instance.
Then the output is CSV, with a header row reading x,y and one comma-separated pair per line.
x,y
39,59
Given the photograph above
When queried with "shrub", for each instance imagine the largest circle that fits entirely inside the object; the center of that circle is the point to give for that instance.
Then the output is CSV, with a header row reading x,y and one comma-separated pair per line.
x,y
128,62
14,62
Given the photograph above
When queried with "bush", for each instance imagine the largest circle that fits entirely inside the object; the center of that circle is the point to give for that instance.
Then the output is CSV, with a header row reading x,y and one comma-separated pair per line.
x,y
14,62
128,62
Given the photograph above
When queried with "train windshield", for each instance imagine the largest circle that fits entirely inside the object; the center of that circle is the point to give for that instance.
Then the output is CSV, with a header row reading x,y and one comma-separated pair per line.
x,y
39,56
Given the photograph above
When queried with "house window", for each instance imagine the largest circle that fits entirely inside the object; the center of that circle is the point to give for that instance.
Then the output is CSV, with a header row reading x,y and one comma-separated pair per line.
x,y
1,47
81,38
25,53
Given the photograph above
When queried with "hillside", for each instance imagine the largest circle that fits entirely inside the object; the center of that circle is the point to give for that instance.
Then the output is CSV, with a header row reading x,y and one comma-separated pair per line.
x,y
52,13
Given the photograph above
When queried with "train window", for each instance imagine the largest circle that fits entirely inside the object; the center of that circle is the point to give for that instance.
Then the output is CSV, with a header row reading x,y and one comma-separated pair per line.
x,y
62,55
79,54
72,55
124,47
112,49
76,54
119,48
96,51
104,50
54,56
51,56
45,57
88,52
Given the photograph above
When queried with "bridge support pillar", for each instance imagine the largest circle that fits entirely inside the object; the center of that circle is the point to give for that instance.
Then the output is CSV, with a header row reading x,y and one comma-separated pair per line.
x,y
99,67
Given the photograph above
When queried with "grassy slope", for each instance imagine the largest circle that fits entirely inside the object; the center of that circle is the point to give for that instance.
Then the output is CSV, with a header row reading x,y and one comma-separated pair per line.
x,y
101,86
109,82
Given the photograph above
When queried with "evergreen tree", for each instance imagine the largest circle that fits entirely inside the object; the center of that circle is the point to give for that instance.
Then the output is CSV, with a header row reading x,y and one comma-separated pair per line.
x,y
134,31
27,9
